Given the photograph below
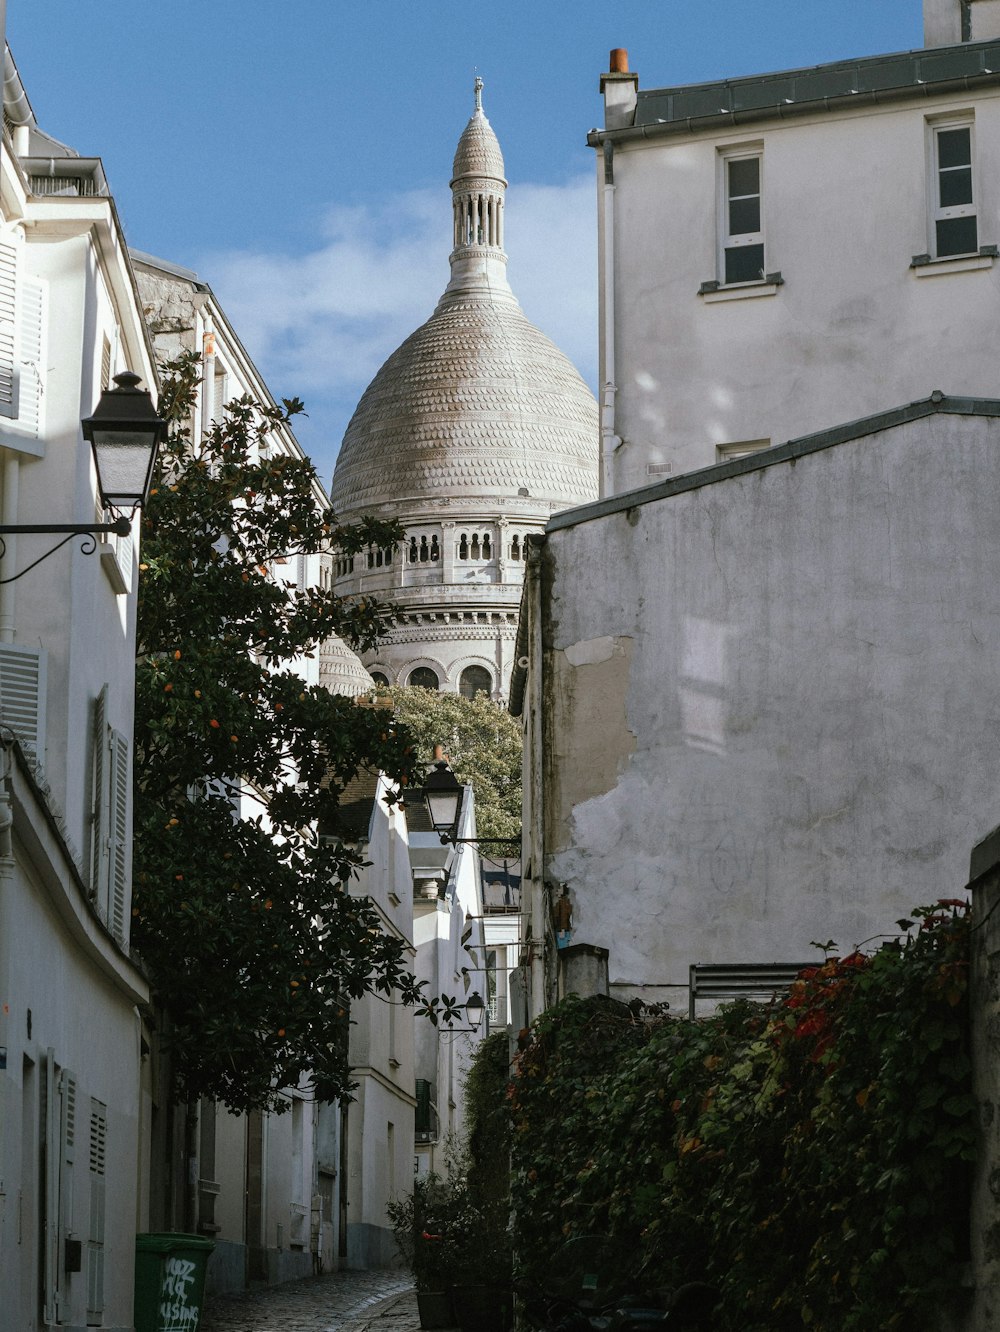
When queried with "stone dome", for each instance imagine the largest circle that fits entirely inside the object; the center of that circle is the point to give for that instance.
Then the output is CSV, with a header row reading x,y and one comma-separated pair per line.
x,y
476,403
341,671
478,152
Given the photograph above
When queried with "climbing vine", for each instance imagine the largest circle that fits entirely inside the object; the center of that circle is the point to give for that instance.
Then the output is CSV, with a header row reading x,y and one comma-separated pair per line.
x,y
809,1157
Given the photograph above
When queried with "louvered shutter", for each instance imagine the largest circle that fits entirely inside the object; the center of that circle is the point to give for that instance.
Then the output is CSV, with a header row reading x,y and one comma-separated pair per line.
x,y
101,805
221,395
22,694
119,865
31,355
67,1092
95,1237
51,1156
8,329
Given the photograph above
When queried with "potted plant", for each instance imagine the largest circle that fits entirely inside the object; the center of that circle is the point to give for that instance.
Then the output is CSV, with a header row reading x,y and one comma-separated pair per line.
x,y
421,1224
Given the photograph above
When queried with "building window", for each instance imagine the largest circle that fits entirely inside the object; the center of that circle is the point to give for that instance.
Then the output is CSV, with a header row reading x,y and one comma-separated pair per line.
x,y
741,224
475,680
742,449
380,678
953,207
423,677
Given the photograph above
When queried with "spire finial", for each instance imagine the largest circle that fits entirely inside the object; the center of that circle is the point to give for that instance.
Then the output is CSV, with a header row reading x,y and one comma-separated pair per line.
x,y
479,93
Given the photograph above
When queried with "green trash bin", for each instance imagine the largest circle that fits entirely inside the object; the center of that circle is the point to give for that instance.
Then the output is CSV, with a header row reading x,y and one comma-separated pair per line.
x,y
170,1281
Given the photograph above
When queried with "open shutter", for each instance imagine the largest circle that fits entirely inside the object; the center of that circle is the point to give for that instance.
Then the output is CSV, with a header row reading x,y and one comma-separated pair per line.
x,y
31,355
50,1152
119,839
95,1234
101,806
8,329
22,694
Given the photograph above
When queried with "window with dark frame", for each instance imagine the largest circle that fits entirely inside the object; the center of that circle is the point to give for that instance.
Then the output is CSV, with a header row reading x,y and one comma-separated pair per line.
x,y
743,243
955,225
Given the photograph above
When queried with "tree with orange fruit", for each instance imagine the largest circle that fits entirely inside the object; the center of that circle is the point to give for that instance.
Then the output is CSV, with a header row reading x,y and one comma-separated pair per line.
x,y
253,947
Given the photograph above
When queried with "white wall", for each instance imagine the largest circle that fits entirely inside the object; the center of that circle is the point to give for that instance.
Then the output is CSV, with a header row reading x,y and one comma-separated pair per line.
x,y
782,725
853,330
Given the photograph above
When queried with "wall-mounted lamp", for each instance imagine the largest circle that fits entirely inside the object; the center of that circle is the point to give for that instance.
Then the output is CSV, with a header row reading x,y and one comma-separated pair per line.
x,y
442,792
124,434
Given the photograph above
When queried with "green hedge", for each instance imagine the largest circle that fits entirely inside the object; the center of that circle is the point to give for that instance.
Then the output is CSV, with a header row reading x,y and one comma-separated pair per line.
x,y
810,1157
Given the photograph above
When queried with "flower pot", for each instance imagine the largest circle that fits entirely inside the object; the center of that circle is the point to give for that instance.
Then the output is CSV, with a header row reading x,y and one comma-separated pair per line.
x,y
435,1309
483,1308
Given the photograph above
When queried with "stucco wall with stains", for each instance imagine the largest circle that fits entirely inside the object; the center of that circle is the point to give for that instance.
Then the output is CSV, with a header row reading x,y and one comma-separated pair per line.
x,y
770,701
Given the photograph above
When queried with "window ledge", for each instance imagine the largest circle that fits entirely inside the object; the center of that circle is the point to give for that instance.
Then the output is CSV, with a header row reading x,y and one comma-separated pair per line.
x,y
922,265
713,292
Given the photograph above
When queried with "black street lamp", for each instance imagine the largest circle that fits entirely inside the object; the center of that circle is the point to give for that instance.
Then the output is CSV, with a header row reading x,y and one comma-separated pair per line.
x,y
124,434
442,792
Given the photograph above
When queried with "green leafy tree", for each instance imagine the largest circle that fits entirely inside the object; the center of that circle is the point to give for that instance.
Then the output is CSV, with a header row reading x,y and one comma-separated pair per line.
x,y
482,742
254,947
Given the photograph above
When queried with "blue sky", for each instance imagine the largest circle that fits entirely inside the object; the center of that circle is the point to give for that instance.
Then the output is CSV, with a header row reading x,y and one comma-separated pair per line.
x,y
298,155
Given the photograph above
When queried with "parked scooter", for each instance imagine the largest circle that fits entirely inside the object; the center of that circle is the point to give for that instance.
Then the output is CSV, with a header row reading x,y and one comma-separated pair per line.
x,y
585,1294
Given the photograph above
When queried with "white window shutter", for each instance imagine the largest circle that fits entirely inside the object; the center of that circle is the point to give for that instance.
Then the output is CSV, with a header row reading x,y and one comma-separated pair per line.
x,y
101,805
51,1156
119,858
22,694
31,357
8,329
95,1236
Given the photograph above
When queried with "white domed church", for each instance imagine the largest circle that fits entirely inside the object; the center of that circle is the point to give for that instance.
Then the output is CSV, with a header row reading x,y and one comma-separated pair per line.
x,y
472,433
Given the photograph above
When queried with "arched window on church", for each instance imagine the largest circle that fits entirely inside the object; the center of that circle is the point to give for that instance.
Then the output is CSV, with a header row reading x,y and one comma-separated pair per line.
x,y
463,546
486,546
424,552
423,677
475,545
515,547
380,678
475,680
435,549
413,550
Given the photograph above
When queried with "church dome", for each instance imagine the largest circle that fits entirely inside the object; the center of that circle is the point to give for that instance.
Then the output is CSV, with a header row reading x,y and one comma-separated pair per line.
x,y
341,671
477,405
478,152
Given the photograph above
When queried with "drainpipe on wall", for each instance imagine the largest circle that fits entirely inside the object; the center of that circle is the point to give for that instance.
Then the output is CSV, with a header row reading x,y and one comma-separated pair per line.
x,y
534,836
207,376
8,565
609,439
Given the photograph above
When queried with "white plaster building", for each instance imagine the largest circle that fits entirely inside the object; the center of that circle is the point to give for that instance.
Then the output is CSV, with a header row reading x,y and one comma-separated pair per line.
x,y
781,725
73,1086
473,432
259,1189
784,252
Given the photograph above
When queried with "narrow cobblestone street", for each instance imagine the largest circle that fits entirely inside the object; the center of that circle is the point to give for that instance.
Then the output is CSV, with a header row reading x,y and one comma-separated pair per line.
x,y
337,1302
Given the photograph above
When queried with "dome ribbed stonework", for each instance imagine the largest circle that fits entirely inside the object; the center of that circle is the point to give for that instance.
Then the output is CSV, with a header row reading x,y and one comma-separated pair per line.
x,y
476,402
341,671
471,434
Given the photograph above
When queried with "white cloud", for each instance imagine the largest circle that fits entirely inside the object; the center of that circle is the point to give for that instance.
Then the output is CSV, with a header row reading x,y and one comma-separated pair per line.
x,y
319,324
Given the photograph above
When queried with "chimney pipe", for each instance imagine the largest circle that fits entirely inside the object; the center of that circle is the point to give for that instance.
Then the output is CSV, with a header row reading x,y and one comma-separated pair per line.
x,y
619,89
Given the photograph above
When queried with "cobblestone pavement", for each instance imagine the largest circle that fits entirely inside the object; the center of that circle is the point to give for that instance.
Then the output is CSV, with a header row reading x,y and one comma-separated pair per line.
x,y
337,1302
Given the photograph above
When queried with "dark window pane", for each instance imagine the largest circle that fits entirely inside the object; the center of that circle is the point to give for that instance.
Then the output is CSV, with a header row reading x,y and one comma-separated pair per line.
x,y
956,235
954,148
744,216
744,176
956,187
380,677
475,680
745,263
424,677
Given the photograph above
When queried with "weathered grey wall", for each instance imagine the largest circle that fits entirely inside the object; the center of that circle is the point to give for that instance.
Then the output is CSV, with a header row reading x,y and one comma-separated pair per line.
x,y
771,702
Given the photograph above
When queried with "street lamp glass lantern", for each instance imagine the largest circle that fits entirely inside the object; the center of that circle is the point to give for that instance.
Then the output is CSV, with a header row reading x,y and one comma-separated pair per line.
x,y
442,796
474,1009
124,434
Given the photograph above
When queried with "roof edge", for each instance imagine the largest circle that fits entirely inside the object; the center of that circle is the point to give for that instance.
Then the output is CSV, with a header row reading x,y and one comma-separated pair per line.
x,y
937,403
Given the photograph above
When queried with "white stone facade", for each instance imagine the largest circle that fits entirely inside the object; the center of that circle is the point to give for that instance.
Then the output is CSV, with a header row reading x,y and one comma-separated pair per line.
x,y
471,435
866,287
74,1105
